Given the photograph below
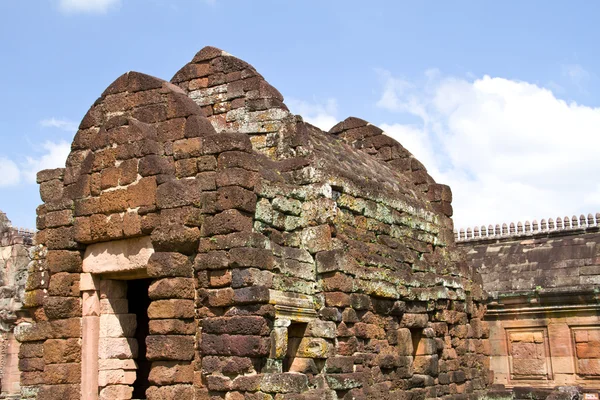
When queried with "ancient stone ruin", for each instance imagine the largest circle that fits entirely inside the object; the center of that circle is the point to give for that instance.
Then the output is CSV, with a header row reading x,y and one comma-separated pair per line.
x,y
543,309
205,243
16,255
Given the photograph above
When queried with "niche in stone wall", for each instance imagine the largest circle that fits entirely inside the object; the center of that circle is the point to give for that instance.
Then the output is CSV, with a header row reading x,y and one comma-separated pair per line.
x,y
529,354
425,357
293,361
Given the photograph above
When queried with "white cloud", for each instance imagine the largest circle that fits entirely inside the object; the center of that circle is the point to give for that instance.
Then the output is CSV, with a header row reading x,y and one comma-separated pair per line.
x,y
9,172
88,6
322,115
510,150
54,156
64,124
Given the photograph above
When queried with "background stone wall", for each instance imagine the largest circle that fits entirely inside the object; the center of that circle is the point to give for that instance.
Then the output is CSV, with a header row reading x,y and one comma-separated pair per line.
x,y
543,307
16,255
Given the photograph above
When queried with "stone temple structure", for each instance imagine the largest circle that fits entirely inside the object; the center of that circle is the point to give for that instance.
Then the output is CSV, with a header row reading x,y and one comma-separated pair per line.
x,y
543,310
16,255
202,242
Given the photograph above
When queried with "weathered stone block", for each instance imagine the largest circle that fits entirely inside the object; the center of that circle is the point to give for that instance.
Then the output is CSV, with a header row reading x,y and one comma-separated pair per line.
x,y
173,392
284,383
59,351
117,325
116,392
120,348
172,308
163,264
170,347
56,374
172,288
235,345
243,325
172,327
171,372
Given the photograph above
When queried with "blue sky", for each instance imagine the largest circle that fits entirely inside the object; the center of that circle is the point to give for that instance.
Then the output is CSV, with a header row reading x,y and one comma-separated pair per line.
x,y
498,99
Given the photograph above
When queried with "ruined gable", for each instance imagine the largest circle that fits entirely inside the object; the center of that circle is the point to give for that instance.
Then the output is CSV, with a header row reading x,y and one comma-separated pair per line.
x,y
226,249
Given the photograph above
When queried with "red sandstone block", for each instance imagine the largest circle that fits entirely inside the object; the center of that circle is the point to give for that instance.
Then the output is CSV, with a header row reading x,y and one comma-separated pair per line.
x,y
143,193
237,177
220,278
589,367
51,190
171,392
56,374
172,327
49,174
529,367
235,197
219,143
186,168
186,148
31,350
191,71
213,260
63,261
337,299
60,238
235,345
163,264
226,222
238,159
62,307
220,297
250,383
346,347
171,372
589,349
156,165
242,325
172,288
62,392
218,383
170,347
64,284
252,257
414,320
426,365
171,308
58,351
251,295
31,364
368,331
337,281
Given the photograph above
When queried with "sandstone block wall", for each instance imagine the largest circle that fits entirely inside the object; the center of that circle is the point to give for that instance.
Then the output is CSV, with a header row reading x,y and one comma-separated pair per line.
x,y
282,262
543,306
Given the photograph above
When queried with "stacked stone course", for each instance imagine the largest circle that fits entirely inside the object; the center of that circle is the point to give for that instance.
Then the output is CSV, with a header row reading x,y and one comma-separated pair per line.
x,y
284,262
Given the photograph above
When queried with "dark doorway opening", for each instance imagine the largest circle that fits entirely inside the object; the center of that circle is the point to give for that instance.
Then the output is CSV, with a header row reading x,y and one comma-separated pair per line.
x,y
138,301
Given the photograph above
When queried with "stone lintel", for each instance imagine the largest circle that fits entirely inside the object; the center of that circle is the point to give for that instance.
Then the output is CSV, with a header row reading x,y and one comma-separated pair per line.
x,y
125,259
293,306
